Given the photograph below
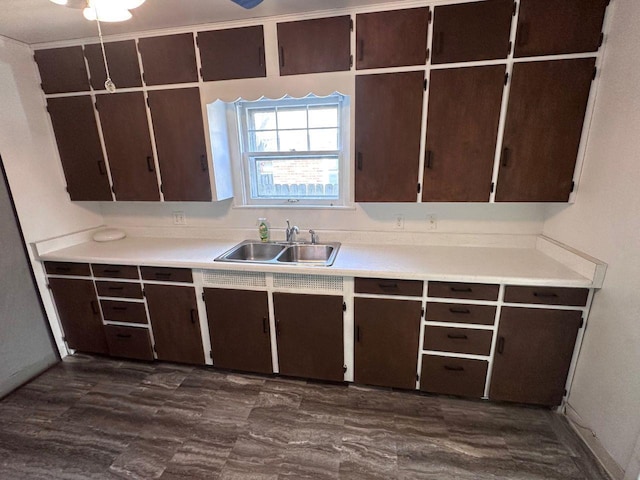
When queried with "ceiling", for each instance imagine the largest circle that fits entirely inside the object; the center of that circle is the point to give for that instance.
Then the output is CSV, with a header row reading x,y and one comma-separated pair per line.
x,y
40,21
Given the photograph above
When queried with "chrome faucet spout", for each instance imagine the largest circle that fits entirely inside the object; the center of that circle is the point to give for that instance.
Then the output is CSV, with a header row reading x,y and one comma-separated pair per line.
x,y
291,232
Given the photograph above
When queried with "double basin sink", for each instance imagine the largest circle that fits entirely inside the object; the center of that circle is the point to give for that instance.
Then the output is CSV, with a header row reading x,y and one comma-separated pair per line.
x,y
249,251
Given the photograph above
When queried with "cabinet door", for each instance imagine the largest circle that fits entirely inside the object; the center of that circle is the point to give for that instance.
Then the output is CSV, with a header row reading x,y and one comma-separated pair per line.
x,y
125,128
76,131
62,70
472,31
392,39
180,143
386,342
550,27
239,329
313,46
310,335
462,130
173,311
232,53
168,59
79,313
122,58
533,354
129,342
388,122
547,105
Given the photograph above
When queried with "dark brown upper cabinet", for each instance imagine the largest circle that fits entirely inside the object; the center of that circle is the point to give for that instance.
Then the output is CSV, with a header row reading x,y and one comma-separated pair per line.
x,y
547,105
533,355
122,58
551,27
180,143
239,329
232,53
462,130
387,130
313,46
392,39
62,70
125,128
310,335
472,31
168,59
76,131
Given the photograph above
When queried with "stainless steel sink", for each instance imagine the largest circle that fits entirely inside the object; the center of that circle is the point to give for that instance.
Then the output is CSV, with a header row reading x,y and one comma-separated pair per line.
x,y
249,251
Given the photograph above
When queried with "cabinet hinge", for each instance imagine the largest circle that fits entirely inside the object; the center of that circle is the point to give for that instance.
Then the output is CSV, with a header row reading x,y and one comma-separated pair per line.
x,y
48,286
148,104
351,24
493,186
595,71
95,105
203,296
64,339
344,306
144,292
154,348
113,189
197,40
211,354
422,313
419,188
573,186
564,392
144,78
506,78
161,188
581,323
344,368
515,9
417,378
350,61
601,39
425,84
509,48
430,16
47,107
428,53
200,73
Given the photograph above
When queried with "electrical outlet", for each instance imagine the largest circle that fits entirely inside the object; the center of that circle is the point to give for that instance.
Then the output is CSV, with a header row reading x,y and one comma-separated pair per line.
x,y
179,218
432,222
398,223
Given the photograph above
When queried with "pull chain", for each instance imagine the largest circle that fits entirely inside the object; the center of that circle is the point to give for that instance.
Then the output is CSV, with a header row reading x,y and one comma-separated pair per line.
x,y
108,84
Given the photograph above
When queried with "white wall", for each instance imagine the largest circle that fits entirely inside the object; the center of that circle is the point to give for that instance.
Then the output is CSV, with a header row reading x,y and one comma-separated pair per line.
x,y
31,159
605,222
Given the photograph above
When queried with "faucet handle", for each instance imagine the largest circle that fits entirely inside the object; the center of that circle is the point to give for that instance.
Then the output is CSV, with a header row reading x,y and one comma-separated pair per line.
x,y
314,236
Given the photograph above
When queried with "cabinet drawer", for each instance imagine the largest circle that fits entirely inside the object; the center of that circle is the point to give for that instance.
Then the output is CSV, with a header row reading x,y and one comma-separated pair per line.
x,y
383,286
67,268
119,289
129,342
115,271
453,376
461,313
575,297
458,340
467,291
123,311
165,274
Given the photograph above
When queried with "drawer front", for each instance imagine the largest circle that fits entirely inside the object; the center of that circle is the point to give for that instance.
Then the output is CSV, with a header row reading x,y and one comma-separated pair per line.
x,y
129,342
123,311
453,376
458,340
465,291
119,289
461,313
165,274
115,271
383,286
574,297
67,268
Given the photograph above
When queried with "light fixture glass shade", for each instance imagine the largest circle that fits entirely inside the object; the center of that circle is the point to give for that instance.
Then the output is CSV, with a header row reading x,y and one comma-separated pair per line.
x,y
107,13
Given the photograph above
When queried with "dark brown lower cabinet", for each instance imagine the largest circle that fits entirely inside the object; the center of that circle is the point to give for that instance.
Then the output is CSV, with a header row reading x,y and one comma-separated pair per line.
x,y
533,354
239,329
309,329
79,313
173,311
129,342
453,376
386,342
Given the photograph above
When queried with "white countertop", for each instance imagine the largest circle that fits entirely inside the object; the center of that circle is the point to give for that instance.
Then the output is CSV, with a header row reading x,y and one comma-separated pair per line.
x,y
521,266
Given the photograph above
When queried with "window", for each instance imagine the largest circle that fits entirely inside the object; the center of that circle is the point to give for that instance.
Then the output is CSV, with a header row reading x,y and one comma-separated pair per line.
x,y
292,151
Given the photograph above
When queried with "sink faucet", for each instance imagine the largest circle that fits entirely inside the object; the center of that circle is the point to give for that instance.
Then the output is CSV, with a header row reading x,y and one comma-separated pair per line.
x,y
314,237
291,232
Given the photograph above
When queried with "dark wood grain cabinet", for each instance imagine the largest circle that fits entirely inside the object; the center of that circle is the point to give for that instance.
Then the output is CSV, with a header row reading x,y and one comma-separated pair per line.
x,y
309,331
533,354
239,329
79,314
392,39
76,131
464,377
232,53
547,106
173,311
387,136
314,46
168,59
62,70
180,142
125,129
462,130
386,342
122,58
129,342
552,27
472,31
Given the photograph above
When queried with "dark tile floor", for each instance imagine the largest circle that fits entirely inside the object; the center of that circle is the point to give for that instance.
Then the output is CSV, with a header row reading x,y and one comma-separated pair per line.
x,y
95,418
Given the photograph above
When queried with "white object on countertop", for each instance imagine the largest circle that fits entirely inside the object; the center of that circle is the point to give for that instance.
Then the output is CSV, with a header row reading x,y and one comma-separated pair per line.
x,y
108,235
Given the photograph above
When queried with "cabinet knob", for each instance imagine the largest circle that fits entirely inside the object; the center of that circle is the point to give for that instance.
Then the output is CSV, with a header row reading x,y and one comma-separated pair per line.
x,y
194,315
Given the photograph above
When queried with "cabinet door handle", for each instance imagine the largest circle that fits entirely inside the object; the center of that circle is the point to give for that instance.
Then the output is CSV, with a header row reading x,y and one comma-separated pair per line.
x,y
120,308
260,56
123,335
94,307
150,165
163,274
277,327
102,167
63,269
203,162
457,336
454,368
545,294
361,50
461,289
111,271
429,159
115,288
463,311
264,325
505,156
359,161
281,56
358,333
194,315
388,286
500,345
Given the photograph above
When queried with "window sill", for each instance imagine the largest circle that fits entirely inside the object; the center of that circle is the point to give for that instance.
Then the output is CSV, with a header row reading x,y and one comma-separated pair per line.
x,y
296,207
